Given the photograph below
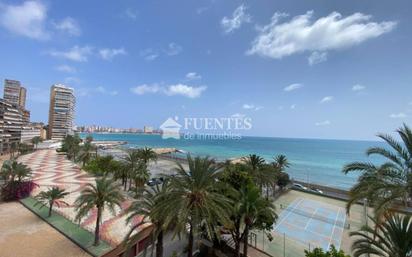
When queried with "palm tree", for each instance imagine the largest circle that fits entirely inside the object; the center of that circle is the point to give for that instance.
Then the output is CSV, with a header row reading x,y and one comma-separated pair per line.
x,y
12,171
251,207
140,175
85,154
194,198
50,197
71,146
387,184
262,173
254,161
36,140
104,193
145,206
281,162
131,160
391,238
147,154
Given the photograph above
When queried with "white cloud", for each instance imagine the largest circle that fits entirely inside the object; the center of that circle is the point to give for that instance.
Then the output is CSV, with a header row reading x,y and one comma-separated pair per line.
x,y
144,89
184,90
193,76
149,54
251,107
94,91
400,115
238,115
323,123
68,25
410,103
170,90
131,13
317,57
358,88
292,87
72,80
104,91
76,53
108,54
239,17
293,107
326,99
27,19
280,108
66,68
201,10
299,34
173,49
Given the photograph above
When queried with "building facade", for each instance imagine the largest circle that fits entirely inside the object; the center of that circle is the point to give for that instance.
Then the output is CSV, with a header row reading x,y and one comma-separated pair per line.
x,y
14,93
61,112
11,122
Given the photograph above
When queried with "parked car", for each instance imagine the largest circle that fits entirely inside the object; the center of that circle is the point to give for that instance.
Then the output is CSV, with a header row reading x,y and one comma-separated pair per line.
x,y
154,181
299,186
316,190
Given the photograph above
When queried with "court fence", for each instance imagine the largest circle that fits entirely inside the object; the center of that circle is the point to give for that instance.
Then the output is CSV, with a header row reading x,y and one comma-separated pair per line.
x,y
278,245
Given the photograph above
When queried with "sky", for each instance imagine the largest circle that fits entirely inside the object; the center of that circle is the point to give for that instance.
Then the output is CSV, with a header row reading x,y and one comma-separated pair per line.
x,y
307,69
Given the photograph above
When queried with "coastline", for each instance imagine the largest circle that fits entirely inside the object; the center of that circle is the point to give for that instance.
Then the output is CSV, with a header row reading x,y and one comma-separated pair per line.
x,y
313,161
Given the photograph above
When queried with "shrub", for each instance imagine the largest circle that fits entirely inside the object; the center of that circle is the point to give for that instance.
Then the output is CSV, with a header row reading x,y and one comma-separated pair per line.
x,y
17,190
318,252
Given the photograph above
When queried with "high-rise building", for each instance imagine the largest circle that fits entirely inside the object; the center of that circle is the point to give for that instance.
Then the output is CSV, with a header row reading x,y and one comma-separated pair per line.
x,y
11,122
61,112
14,93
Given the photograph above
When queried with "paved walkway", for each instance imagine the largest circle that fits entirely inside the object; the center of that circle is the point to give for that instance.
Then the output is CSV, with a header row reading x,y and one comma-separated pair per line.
x,y
53,169
22,233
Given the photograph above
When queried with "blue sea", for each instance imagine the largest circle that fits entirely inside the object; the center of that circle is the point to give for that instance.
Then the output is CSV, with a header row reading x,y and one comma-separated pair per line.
x,y
313,160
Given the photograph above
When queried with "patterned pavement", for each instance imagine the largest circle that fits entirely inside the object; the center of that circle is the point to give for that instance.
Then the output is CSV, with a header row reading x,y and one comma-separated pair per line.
x,y
53,169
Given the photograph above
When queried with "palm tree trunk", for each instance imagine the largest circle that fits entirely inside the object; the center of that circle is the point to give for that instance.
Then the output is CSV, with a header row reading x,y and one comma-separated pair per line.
x,y
97,230
237,247
245,240
159,244
190,246
50,209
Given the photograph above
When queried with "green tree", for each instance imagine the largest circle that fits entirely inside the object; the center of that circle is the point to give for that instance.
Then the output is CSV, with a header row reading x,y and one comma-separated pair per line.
x,y
282,179
132,161
263,174
145,206
281,162
104,193
101,165
71,145
254,161
13,171
390,238
195,198
251,211
384,185
53,196
147,154
24,148
85,154
318,252
140,175
36,140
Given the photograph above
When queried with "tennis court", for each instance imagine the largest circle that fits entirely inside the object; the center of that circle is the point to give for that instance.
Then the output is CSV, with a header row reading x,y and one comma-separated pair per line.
x,y
311,222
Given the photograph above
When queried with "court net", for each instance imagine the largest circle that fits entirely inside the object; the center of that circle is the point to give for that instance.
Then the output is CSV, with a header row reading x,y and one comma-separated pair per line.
x,y
338,222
